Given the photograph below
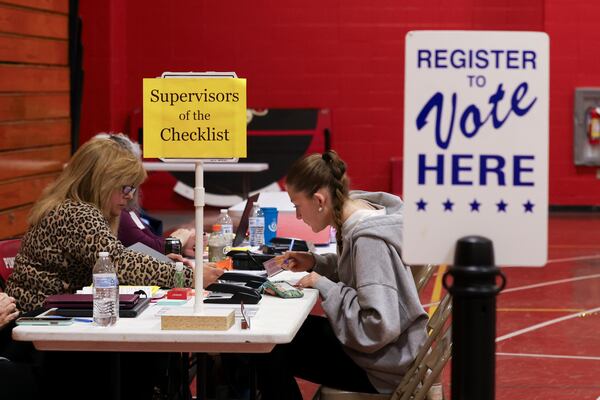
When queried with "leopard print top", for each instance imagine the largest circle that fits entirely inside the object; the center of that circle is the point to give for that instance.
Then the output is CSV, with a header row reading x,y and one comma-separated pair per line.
x,y
58,254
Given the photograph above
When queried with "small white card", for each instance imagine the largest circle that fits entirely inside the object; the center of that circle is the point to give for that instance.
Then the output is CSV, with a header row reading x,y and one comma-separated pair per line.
x,y
136,220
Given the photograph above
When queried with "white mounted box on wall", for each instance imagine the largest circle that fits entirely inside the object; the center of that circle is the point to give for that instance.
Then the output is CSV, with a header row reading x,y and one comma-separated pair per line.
x,y
586,126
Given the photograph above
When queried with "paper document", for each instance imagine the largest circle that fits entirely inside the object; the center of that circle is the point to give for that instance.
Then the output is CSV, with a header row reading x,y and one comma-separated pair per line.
x,y
142,248
290,277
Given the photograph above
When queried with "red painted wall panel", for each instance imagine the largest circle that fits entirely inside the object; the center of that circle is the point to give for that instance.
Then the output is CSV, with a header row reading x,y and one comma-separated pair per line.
x,y
347,56
574,57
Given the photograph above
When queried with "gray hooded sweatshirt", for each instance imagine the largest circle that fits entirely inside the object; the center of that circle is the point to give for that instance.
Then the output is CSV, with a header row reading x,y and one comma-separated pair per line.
x,y
370,297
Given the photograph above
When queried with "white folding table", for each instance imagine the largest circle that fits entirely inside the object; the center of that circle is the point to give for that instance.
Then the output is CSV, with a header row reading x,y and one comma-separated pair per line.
x,y
276,321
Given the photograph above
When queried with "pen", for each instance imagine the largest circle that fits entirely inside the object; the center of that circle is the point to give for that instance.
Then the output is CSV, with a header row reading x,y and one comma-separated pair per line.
x,y
83,320
287,260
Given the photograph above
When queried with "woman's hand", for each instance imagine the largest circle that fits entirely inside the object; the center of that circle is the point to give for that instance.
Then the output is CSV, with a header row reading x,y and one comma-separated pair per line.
x,y
179,257
190,246
8,309
211,274
298,261
185,235
309,281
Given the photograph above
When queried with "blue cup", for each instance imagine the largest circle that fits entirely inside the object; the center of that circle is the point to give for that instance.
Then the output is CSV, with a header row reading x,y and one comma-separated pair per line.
x,y
270,214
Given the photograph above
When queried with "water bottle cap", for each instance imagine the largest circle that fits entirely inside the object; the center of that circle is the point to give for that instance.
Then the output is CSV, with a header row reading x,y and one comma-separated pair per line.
x,y
103,254
178,266
223,211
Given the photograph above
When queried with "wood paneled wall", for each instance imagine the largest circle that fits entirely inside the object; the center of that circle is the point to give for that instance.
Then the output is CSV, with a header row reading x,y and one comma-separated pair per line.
x,y
35,120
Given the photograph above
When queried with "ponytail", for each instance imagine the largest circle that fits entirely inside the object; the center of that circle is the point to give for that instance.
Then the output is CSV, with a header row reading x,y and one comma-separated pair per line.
x,y
316,171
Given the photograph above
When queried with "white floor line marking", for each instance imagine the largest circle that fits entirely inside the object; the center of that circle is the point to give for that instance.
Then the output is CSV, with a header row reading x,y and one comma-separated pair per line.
x,y
536,285
547,323
549,356
580,258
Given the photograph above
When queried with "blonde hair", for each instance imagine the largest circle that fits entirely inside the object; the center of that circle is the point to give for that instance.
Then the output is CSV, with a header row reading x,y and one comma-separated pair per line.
x,y
98,168
123,140
317,171
132,146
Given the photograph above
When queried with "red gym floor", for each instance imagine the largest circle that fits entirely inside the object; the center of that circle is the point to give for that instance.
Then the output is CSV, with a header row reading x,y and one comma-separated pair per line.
x,y
548,319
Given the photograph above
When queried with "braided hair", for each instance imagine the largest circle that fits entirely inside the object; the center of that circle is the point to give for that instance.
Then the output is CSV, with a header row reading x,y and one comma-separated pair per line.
x,y
317,171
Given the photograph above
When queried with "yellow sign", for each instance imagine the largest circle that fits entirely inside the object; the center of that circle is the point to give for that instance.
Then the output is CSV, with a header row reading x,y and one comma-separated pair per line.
x,y
195,118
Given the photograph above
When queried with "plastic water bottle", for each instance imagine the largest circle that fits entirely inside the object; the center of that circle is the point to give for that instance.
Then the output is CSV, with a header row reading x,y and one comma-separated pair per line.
x,y
106,291
226,225
256,226
218,244
179,277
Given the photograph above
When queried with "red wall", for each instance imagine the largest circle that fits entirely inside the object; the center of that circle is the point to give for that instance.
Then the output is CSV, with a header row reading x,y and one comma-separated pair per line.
x,y
574,62
347,56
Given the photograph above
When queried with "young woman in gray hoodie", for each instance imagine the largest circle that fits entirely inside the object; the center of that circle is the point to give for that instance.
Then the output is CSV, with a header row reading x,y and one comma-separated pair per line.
x,y
375,322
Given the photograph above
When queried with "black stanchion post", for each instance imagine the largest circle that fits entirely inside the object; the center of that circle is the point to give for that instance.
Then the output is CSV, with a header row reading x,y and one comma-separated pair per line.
x,y
474,293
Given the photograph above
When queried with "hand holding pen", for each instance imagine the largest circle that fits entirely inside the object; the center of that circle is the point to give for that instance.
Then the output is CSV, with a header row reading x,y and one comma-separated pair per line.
x,y
298,261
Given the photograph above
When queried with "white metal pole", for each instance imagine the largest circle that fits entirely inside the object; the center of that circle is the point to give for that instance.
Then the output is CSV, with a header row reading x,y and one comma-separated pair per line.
x,y
199,205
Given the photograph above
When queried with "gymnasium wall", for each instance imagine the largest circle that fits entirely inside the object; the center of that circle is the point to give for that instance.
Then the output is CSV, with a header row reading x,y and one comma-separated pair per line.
x,y
35,121
347,56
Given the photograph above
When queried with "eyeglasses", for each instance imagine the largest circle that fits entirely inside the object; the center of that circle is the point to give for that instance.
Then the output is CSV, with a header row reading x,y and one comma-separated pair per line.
x,y
128,189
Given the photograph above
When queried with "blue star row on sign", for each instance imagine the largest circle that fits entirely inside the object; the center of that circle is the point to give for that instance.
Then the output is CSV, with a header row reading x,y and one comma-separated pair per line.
x,y
475,206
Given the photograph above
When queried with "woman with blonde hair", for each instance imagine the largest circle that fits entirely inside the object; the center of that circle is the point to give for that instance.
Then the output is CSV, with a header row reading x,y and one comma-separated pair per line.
x,y
133,228
76,217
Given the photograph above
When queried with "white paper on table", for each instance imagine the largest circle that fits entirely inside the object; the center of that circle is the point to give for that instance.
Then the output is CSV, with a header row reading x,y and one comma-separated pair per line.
x,y
290,277
251,309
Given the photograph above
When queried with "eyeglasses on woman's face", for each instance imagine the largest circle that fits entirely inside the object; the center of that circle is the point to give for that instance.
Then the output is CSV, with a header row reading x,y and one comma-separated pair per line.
x,y
128,189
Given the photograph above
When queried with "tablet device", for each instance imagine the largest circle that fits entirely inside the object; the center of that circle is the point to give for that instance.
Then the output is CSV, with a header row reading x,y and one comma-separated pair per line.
x,y
144,249
47,320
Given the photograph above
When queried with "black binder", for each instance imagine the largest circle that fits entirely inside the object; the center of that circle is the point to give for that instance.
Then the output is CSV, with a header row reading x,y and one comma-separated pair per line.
x,y
132,312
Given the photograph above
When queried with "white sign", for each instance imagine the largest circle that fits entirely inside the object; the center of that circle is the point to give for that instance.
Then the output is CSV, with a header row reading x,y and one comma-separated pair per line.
x,y
476,144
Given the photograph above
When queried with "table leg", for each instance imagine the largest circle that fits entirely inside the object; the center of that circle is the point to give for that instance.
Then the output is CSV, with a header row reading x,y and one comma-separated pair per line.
x,y
115,375
252,376
185,376
201,376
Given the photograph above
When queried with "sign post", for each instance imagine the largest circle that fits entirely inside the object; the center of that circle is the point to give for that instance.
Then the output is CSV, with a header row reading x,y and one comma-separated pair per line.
x,y
200,117
474,293
475,175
